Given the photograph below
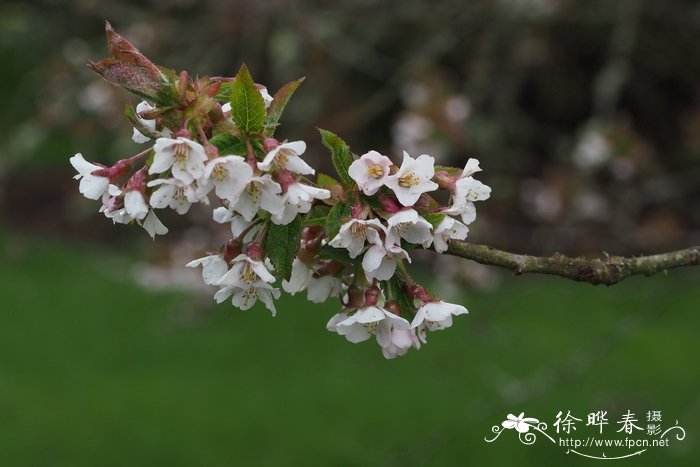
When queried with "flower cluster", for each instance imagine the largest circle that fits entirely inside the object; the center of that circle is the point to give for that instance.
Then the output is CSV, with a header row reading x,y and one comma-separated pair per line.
x,y
211,143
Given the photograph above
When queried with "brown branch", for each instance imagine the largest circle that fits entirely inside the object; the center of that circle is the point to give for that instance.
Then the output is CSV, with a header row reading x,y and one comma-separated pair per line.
x,y
608,271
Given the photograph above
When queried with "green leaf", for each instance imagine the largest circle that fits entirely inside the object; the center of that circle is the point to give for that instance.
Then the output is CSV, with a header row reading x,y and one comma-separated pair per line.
x,y
228,144
282,245
333,221
340,152
337,254
450,170
434,218
279,102
247,105
317,215
404,303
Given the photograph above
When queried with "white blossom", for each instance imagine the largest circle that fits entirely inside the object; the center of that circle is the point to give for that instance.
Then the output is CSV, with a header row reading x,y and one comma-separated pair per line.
x,y
139,137
153,225
184,156
247,281
413,178
286,156
354,233
135,204
238,223
398,340
435,316
298,199
370,172
407,224
260,193
175,194
319,289
380,259
229,175
468,190
213,268
91,186
448,229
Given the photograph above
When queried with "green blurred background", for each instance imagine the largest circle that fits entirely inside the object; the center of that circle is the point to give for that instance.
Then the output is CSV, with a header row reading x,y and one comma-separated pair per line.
x,y
586,118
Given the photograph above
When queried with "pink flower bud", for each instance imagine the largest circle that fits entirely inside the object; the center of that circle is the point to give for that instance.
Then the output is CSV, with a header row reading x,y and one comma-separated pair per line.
x,y
232,249
284,178
393,307
211,151
445,181
270,143
414,291
388,204
372,295
184,133
255,251
355,297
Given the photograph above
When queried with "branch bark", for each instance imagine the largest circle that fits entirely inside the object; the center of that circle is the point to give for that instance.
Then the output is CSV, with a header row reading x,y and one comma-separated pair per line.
x,y
609,270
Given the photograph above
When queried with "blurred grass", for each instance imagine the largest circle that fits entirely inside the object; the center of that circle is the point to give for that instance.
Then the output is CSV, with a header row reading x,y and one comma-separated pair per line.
x,y
96,371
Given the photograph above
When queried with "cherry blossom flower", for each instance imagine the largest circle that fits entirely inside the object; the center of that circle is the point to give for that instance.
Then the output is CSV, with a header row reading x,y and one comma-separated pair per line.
x,y
247,281
448,229
466,191
286,156
319,289
380,259
413,178
153,225
435,316
175,194
238,223
370,172
407,224
521,423
298,199
139,137
213,268
355,232
135,204
361,324
229,174
91,186
262,192
184,156
398,340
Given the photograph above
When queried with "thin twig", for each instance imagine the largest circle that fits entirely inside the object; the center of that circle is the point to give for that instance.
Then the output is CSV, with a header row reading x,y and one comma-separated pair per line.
x,y
609,270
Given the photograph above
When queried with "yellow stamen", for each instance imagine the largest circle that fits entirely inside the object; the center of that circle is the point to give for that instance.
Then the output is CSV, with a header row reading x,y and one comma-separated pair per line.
x,y
375,171
408,180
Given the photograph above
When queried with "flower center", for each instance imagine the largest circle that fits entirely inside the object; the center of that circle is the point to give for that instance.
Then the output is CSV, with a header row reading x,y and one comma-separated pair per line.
x,y
375,171
254,191
358,230
472,195
181,151
371,327
408,180
179,195
249,276
219,173
282,157
248,295
401,228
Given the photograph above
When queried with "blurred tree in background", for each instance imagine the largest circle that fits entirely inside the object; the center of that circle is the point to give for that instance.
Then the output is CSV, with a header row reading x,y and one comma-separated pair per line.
x,y
584,113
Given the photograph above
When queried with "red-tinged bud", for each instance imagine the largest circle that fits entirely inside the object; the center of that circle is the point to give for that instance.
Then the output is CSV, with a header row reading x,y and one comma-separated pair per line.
x,y
270,143
285,178
311,232
232,249
372,295
388,204
355,297
445,181
393,307
211,150
255,251
183,133
138,180
358,210
416,291
213,89
182,84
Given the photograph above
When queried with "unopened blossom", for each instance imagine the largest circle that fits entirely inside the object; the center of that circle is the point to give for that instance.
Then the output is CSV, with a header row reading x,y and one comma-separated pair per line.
x,y
298,199
380,259
238,223
262,192
370,172
229,175
319,289
354,233
286,156
185,157
466,191
213,268
247,281
410,226
135,204
174,194
153,225
448,229
435,316
139,137
413,178
91,186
